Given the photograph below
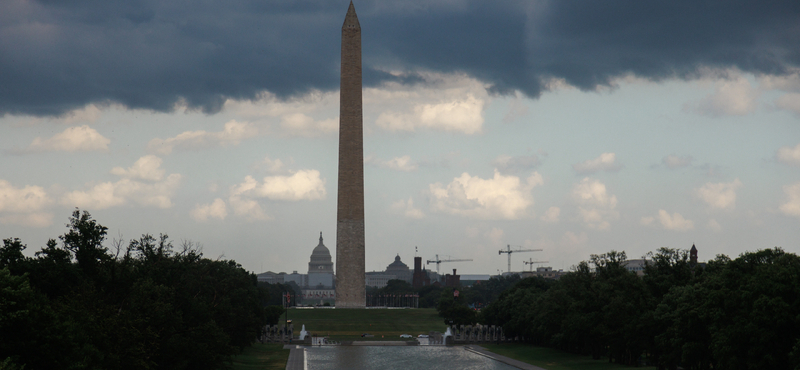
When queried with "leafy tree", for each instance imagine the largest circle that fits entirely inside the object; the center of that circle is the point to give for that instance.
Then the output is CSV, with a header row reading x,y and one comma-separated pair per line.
x,y
454,310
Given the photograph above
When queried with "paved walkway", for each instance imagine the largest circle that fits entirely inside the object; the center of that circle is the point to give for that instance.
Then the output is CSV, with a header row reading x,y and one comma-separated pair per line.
x,y
297,357
506,360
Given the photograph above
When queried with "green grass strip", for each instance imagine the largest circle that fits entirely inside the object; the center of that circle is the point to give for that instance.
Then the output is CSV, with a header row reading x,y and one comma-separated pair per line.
x,y
349,324
553,359
269,356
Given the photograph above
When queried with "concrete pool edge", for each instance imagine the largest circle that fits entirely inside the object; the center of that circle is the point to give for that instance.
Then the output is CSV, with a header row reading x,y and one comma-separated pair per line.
x,y
506,360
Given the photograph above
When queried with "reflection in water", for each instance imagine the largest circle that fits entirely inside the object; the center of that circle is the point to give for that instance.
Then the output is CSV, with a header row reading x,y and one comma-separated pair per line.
x,y
399,357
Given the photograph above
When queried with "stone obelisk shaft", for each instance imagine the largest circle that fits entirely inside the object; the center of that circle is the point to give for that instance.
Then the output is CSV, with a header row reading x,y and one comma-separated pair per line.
x,y
350,284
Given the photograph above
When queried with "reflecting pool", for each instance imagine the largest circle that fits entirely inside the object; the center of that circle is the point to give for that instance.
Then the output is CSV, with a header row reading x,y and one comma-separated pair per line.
x,y
398,357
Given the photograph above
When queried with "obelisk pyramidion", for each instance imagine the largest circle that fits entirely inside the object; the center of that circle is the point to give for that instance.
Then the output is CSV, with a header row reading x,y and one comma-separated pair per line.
x,y
350,284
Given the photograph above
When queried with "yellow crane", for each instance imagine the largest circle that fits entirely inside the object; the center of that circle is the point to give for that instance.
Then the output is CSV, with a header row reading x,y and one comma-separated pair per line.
x,y
509,251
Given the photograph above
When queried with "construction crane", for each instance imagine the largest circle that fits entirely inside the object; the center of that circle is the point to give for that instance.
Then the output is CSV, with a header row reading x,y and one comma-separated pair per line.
x,y
437,261
509,251
531,262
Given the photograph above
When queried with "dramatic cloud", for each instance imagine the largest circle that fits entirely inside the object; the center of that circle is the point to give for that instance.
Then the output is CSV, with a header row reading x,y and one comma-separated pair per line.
x,y
721,195
403,163
595,206
792,205
605,162
146,168
74,139
87,114
152,191
217,209
501,197
507,164
789,155
232,134
407,209
735,97
673,161
24,206
159,54
674,222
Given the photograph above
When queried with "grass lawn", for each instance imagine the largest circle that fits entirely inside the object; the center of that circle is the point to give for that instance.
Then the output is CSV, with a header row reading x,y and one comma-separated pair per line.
x,y
553,359
261,356
384,324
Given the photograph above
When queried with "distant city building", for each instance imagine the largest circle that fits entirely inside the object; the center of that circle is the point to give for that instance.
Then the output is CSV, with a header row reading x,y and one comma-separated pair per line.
x,y
319,285
320,267
420,277
378,279
270,277
452,281
396,270
475,277
636,266
400,270
544,272
296,278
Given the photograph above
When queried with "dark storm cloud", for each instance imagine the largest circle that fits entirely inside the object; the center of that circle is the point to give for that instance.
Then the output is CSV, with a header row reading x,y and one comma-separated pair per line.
x,y
59,55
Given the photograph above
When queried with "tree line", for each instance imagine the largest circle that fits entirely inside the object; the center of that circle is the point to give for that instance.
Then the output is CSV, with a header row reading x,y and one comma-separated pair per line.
x,y
741,313
148,305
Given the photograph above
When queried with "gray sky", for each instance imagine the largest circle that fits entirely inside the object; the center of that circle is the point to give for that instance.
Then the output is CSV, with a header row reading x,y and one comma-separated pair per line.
x,y
575,127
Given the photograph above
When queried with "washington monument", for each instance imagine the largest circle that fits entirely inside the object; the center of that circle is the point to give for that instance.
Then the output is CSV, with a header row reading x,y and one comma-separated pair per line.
x,y
350,284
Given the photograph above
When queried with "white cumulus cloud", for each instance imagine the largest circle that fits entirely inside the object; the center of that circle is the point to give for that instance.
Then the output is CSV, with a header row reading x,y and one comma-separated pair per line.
x,y
301,185
673,161
596,206
142,184
74,139
507,164
406,207
87,114
303,125
674,221
792,205
216,209
790,102
463,115
24,206
551,215
605,162
731,97
232,134
145,168
713,225
403,163
789,155
721,195
501,197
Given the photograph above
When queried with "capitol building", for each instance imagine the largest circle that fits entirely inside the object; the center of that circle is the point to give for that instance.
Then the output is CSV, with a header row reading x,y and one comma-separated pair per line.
x,y
318,286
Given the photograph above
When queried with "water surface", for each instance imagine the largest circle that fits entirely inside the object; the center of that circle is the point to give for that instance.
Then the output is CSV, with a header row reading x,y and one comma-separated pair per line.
x,y
398,357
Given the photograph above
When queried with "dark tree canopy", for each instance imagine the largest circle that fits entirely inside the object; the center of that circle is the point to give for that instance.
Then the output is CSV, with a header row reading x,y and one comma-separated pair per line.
x,y
152,307
731,314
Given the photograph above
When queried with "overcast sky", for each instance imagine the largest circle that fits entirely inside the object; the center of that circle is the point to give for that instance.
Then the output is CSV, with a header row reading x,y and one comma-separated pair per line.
x,y
576,127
